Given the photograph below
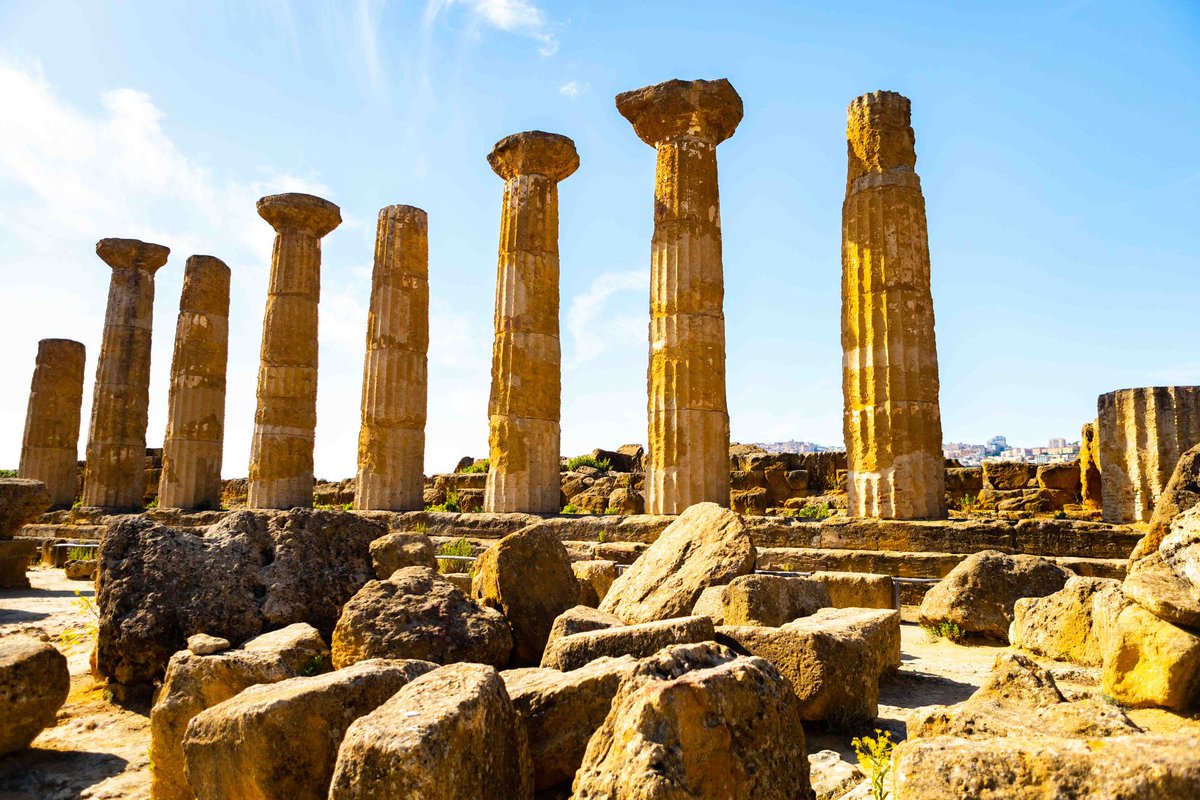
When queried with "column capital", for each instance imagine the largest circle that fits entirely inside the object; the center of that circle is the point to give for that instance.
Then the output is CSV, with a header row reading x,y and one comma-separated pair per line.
x,y
708,110
298,211
880,135
132,254
551,155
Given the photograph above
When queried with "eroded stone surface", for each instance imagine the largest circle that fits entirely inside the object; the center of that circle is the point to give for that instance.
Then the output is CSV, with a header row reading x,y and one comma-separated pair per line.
x,y
892,421
34,683
1071,624
1149,662
640,641
398,550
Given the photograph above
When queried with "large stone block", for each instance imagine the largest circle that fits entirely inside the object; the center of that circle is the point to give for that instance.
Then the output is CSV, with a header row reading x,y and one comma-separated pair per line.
x,y
698,721
417,614
1167,581
1071,624
34,683
706,546
194,683
251,572
769,600
579,649
448,735
1149,662
526,575
21,501
399,550
280,740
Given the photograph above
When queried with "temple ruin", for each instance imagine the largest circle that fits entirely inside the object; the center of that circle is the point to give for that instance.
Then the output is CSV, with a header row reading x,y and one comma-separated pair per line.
x,y
50,446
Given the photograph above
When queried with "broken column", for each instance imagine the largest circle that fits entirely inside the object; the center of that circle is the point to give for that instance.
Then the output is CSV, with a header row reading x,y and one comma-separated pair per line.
x,y
1089,467
688,456
116,451
191,466
391,444
1142,434
281,454
892,422
50,448
523,409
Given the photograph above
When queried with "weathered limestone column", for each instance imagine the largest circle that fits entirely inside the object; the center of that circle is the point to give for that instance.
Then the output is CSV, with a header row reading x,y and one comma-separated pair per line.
x,y
688,455
892,422
1142,433
50,448
523,410
281,455
391,444
1089,466
191,470
116,452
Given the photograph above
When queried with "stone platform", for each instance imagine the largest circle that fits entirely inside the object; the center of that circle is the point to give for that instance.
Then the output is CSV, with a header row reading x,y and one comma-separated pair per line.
x,y
919,549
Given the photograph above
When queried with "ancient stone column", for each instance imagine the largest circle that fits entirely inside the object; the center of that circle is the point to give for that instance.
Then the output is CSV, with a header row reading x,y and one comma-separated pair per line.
x,y
1089,466
281,455
391,444
523,409
50,448
892,422
116,452
191,466
1142,433
688,456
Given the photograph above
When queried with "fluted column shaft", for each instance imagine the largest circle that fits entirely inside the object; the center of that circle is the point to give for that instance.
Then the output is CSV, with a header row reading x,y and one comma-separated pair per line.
x,y
281,453
892,421
688,419
1142,433
192,446
50,447
525,400
116,452
391,443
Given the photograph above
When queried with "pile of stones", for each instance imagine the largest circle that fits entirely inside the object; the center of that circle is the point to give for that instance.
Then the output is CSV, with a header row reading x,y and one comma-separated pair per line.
x,y
691,673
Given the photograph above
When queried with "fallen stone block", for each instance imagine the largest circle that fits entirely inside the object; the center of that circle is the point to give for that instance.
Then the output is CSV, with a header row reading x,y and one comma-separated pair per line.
x,y
580,619
705,546
194,683
698,721
561,711
398,550
1068,625
858,589
280,740
416,614
448,735
34,683
1150,662
639,641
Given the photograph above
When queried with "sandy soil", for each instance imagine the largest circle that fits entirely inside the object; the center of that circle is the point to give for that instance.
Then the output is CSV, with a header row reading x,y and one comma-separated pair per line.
x,y
97,749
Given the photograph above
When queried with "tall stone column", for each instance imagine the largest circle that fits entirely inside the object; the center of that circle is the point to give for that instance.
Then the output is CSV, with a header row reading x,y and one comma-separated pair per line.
x,y
191,470
523,410
1142,434
281,454
116,452
391,444
892,421
50,448
688,456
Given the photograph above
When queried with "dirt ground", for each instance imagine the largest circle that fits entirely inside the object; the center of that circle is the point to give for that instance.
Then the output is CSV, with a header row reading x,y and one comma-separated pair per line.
x,y
99,749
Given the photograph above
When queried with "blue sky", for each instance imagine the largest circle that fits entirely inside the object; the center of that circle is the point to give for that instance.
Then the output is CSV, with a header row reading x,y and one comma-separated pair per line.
x,y
1057,146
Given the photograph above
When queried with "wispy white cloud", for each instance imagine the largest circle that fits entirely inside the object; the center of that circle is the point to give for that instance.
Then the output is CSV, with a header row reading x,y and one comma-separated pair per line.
x,y
606,316
368,17
572,89
520,17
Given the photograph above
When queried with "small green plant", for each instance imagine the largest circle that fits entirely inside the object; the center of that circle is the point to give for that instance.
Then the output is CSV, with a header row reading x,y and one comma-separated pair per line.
x,y
153,504
71,638
601,538
477,467
1112,701
312,666
602,464
968,502
875,759
420,527
944,629
570,508
81,554
451,503
8,473
76,504
612,511
817,512
1060,514
458,547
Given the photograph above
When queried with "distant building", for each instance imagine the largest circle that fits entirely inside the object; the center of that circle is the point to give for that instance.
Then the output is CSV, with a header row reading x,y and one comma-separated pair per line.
x,y
1058,443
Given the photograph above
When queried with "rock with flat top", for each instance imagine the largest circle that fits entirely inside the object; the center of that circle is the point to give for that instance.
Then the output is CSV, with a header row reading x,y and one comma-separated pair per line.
x,y
1149,662
1070,625
398,550
639,641
34,683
